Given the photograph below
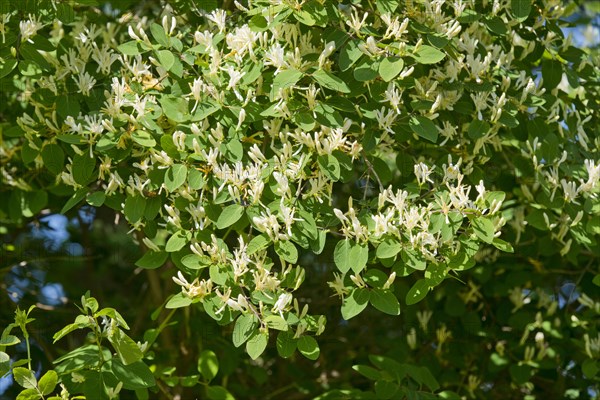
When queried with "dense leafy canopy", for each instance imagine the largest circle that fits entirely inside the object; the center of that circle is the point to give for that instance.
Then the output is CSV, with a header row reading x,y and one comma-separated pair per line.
x,y
436,163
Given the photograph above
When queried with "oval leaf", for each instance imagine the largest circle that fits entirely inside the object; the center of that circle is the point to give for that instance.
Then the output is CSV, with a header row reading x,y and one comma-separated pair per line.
x,y
385,301
257,344
230,215
417,292
355,303
208,364
308,347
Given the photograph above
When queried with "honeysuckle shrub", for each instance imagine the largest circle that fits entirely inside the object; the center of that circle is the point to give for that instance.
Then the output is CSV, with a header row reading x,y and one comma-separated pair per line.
x,y
397,144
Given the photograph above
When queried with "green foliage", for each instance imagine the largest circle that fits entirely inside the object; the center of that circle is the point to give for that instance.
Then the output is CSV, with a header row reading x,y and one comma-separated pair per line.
x,y
260,150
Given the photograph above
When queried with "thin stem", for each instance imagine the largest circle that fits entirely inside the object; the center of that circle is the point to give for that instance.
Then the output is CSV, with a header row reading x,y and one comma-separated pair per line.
x,y
370,166
280,390
28,350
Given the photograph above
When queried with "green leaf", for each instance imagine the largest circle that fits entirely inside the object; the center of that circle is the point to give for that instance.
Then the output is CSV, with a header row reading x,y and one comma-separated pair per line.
x,y
520,8
175,176
375,278
54,158
311,13
4,363
359,255
285,79
388,248
258,243
134,376
177,241
74,199
257,344
131,48
349,54
29,394
308,347
552,71
134,208
68,106
178,300
65,13
424,128
520,373
428,55
7,67
83,169
258,23
196,262
478,129
385,389
502,245
166,59
355,303
276,322
143,138
385,301
126,348
367,371
341,255
366,70
484,229
208,364
424,377
244,326
152,259
330,166
286,250
25,378
390,67
496,25
417,292
158,32
387,6
286,344
48,382
230,215
590,368
414,259
218,393
331,81
70,328
175,108
9,340
96,199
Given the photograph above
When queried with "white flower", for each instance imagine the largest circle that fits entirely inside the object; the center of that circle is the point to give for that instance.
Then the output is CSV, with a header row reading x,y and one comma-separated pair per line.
x,y
169,26
241,41
104,57
282,302
356,23
219,18
370,47
234,77
384,120
422,172
275,57
451,172
85,82
29,28
393,96
327,51
179,140
205,39
196,289
570,191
